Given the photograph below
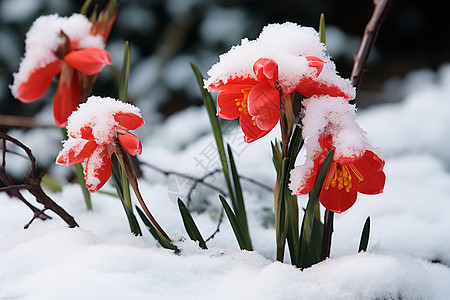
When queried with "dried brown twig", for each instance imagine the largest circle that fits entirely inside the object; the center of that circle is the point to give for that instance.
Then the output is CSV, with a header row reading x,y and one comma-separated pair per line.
x,y
31,183
370,35
368,41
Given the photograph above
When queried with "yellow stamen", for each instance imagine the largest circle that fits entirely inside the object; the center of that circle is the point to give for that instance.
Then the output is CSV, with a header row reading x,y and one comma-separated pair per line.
x,y
340,176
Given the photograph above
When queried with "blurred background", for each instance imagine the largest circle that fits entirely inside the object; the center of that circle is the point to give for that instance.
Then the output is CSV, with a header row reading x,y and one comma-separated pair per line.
x,y
166,35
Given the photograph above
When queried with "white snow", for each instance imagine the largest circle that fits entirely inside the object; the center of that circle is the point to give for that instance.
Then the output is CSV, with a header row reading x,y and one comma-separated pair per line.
x,y
287,44
98,114
43,38
102,260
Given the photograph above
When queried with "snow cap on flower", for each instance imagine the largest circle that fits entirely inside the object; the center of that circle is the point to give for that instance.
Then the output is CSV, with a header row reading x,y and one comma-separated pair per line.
x,y
93,132
329,116
43,39
98,113
288,45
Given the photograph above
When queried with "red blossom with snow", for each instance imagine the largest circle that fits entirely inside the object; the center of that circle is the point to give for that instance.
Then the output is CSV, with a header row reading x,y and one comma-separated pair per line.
x,y
252,76
345,178
329,122
72,47
93,131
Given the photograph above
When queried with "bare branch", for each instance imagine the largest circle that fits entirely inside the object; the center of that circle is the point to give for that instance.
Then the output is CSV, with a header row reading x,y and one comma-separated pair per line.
x,y
370,35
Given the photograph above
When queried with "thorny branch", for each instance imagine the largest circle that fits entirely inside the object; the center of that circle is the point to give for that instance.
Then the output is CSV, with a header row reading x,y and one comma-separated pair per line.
x,y
32,183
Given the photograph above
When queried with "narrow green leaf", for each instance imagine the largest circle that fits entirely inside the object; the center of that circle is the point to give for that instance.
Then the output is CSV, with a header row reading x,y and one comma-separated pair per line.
x,y
215,124
310,253
125,73
276,157
293,232
239,206
323,36
190,226
155,233
235,226
132,221
295,146
85,7
365,236
281,209
314,198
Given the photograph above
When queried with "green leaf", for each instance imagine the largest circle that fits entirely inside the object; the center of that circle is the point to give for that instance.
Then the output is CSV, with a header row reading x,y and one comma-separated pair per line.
x,y
323,36
190,226
295,146
125,73
308,219
242,241
214,120
276,157
281,210
311,254
85,7
155,233
239,206
132,221
365,236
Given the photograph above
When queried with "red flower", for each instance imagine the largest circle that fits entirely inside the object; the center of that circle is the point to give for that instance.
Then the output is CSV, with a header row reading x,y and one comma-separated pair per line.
x,y
255,101
94,134
75,58
345,178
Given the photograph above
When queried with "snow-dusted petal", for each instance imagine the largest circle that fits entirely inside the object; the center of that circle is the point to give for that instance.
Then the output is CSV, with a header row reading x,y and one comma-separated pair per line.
x,y
129,120
131,143
75,151
98,169
89,61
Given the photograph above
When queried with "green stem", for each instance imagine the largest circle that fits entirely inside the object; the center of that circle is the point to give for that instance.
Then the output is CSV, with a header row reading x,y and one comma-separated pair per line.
x,y
82,181
126,189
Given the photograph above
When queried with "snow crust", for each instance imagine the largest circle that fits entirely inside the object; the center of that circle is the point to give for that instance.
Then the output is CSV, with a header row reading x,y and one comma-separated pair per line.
x,y
287,44
43,38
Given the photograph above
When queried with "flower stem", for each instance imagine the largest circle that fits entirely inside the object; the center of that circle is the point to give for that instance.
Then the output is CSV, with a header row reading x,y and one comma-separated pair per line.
x,y
124,161
126,190
327,234
82,181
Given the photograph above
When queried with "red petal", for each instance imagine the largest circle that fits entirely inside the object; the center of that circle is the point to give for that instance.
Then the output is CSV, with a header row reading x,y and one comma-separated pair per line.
x,y
310,86
68,95
89,61
251,131
38,82
131,143
98,169
226,104
337,200
265,68
371,168
232,85
315,62
264,105
128,120
75,151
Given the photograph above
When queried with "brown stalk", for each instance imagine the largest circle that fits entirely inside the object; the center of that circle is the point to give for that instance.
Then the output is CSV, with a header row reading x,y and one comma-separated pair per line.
x,y
125,162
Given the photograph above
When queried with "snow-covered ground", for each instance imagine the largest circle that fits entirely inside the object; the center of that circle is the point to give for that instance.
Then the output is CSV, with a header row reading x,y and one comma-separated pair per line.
x,y
409,248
